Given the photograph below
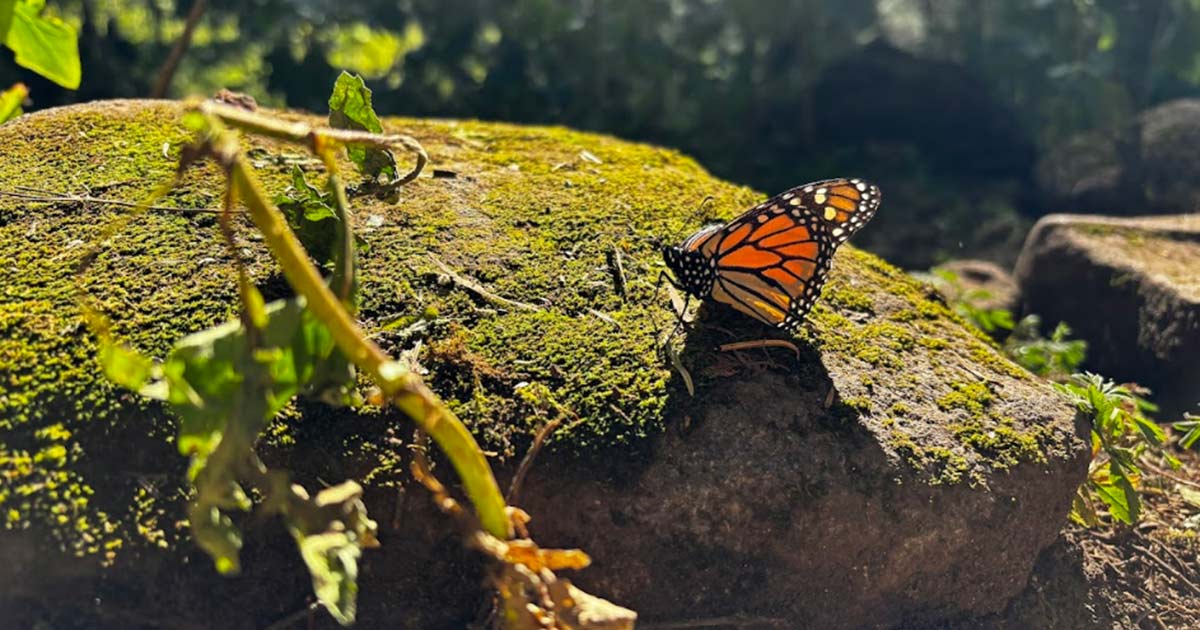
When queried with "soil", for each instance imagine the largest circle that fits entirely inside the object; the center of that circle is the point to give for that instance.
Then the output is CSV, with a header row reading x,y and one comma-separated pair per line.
x,y
1117,576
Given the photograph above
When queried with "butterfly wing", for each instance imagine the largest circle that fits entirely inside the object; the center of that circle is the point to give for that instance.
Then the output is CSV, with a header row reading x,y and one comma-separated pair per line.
x,y
772,260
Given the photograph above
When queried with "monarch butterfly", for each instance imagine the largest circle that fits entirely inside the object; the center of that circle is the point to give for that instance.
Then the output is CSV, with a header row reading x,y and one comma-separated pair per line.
x,y
771,261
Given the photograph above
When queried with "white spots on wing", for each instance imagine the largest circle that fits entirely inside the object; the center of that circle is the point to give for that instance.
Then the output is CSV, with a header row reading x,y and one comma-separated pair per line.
x,y
795,201
830,213
837,231
860,186
808,189
788,195
820,196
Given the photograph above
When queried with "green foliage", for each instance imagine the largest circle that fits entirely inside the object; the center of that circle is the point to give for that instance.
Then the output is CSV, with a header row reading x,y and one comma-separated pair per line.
x,y
7,7
1056,357
1053,358
350,108
1121,434
42,43
1191,430
311,216
10,102
227,382
969,303
1121,431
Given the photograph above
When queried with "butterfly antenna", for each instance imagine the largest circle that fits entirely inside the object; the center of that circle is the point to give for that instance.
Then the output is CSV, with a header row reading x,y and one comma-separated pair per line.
x,y
707,202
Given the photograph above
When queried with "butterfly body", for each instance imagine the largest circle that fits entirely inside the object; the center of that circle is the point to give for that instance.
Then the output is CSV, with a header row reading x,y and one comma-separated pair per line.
x,y
771,261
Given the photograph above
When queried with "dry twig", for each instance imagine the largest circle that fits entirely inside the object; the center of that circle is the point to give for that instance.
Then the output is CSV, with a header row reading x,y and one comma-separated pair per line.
x,y
478,289
760,343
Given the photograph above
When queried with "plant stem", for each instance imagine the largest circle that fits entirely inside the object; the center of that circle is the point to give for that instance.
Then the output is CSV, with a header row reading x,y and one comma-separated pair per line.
x,y
403,388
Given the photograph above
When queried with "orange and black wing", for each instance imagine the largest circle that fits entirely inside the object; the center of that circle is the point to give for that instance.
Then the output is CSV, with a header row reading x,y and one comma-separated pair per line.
x,y
772,260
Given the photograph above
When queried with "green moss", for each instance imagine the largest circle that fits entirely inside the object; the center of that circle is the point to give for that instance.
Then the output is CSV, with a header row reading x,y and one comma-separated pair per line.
x,y
860,403
525,218
846,297
943,465
988,356
932,310
1005,446
933,343
880,343
974,398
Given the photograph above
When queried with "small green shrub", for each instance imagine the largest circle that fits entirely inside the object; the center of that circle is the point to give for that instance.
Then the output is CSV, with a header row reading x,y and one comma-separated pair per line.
x,y
970,303
1190,427
1054,358
1121,435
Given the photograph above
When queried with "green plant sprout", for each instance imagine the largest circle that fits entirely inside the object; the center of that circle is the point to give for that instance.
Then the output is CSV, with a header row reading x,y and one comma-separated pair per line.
x,y
11,101
968,303
1121,435
1190,427
1121,431
1054,358
227,382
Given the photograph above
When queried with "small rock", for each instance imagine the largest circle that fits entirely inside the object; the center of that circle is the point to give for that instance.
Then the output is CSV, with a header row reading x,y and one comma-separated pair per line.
x,y
974,275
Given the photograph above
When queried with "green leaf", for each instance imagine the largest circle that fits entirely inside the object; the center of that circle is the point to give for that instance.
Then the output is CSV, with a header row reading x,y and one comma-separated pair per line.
x,y
311,217
224,390
6,17
206,370
331,531
332,560
215,533
11,99
1149,429
1082,510
1192,436
44,44
124,366
1116,500
1132,498
350,108
1189,495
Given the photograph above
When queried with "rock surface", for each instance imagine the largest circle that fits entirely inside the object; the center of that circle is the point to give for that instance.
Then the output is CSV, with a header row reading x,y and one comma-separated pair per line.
x,y
1146,167
894,469
1131,289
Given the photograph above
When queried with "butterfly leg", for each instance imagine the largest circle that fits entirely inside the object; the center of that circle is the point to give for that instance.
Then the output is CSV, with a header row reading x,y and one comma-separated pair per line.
x,y
679,309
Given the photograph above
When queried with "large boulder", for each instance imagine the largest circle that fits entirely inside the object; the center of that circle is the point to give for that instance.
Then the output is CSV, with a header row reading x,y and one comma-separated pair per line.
x,y
893,468
1131,289
1147,166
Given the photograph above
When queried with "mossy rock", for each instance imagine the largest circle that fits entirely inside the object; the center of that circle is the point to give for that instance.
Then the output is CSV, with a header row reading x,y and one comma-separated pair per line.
x,y
894,467
1130,288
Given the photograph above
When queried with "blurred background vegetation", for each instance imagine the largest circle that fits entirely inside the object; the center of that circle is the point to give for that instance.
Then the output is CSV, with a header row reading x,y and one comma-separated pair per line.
x,y
947,104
